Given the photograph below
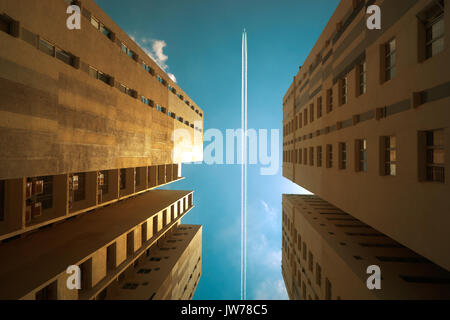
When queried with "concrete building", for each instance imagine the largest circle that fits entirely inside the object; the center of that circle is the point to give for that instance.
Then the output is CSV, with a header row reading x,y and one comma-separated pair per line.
x,y
87,119
366,123
170,270
326,253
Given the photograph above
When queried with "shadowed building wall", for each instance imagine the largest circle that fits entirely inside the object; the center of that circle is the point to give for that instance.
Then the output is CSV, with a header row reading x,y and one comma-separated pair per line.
x,y
326,253
89,123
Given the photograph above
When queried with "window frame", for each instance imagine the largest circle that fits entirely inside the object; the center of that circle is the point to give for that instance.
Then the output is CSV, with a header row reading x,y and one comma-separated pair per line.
x,y
390,70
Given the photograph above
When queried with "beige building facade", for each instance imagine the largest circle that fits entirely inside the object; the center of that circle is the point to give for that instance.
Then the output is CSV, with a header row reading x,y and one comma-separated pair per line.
x,y
327,252
170,270
366,123
87,121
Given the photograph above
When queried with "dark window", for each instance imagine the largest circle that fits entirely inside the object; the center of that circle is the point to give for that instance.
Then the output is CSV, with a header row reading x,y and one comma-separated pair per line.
x,y
319,107
104,77
328,289
432,280
329,100
80,190
5,24
2,200
123,179
381,245
130,286
46,197
318,275
390,59
362,78
64,56
342,156
48,293
403,259
138,176
343,90
329,156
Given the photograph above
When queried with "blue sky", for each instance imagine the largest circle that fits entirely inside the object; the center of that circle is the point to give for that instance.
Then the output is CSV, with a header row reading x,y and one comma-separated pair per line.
x,y
199,41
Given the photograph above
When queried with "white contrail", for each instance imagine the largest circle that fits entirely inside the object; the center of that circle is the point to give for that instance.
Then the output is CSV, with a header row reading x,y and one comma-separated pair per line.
x,y
242,174
244,170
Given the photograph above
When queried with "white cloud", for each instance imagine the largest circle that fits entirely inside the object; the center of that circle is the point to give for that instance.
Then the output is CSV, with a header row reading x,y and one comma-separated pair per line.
x,y
269,210
158,51
172,76
273,289
154,48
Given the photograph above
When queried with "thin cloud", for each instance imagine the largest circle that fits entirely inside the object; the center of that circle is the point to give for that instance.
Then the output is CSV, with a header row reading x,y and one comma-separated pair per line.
x,y
269,210
271,290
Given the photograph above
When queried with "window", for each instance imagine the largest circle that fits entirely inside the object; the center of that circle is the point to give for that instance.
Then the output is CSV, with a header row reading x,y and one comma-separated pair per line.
x,y
305,156
311,261
47,47
50,292
128,51
389,152
95,23
300,156
311,112
329,156
329,100
9,25
311,156
435,156
361,155
64,56
148,68
161,80
171,114
123,179
146,101
2,200
319,156
434,31
305,116
103,181
124,89
343,90
80,190
300,121
137,176
318,275
327,289
304,250
390,57
319,107
96,74
101,27
342,155
104,77
362,80
93,72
